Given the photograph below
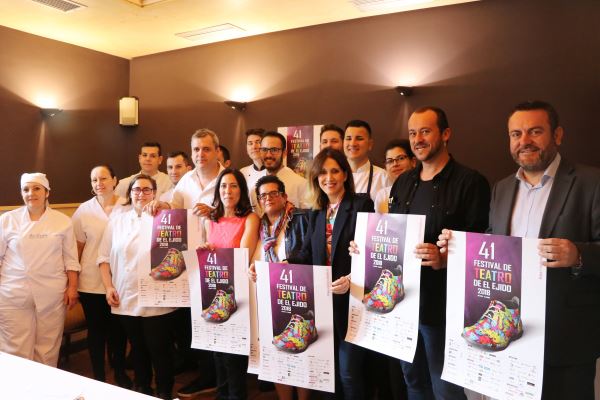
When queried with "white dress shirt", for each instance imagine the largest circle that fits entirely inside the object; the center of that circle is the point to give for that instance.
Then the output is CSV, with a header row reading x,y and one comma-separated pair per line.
x,y
189,191
34,258
89,222
120,248
163,184
361,179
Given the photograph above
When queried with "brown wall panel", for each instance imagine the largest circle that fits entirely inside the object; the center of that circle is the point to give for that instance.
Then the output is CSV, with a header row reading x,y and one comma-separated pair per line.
x,y
87,85
475,60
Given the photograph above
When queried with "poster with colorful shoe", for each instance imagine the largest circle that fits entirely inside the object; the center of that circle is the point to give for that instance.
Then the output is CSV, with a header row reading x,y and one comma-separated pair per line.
x,y
295,316
162,271
386,278
303,143
219,299
495,315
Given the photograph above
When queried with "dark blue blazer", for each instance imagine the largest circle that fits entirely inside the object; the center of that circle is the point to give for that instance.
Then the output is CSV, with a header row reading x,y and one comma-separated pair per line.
x,y
314,250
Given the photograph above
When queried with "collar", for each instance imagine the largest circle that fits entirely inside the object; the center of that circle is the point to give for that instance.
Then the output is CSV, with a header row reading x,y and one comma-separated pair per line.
x,y
415,173
549,173
258,168
365,168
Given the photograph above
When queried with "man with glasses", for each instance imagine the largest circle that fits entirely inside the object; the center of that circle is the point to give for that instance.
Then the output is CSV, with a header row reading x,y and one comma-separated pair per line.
x,y
399,158
272,150
150,158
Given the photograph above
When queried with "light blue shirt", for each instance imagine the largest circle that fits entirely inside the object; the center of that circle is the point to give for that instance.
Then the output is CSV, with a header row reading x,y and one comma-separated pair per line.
x,y
530,202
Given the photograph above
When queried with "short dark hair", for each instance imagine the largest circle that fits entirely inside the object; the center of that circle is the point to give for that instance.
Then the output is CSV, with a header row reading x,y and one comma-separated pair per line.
x,y
152,144
359,123
133,181
183,155
243,207
442,119
404,144
269,179
226,156
332,127
531,105
278,136
255,131
110,169
319,198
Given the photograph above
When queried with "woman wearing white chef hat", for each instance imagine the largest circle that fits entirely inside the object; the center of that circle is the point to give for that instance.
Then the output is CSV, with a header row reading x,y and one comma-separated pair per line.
x,y
38,274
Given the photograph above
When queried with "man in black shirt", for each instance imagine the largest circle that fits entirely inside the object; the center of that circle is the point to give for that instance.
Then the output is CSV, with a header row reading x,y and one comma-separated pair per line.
x,y
452,196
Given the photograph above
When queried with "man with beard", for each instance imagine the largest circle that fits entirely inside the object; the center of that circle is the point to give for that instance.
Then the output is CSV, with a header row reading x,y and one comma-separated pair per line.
x,y
551,199
272,150
450,195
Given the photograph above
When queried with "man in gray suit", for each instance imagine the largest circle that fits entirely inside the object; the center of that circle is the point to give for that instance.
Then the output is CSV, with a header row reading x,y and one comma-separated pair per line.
x,y
558,202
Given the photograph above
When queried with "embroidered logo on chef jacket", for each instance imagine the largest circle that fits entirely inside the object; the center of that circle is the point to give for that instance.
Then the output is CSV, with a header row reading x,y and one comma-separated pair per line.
x,y
38,236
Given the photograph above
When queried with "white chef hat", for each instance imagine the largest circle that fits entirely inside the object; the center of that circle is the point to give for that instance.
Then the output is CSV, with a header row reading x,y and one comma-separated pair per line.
x,y
35,177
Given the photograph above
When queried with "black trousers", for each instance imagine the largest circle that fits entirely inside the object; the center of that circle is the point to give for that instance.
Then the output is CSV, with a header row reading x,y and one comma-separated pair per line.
x,y
231,376
569,382
104,331
152,344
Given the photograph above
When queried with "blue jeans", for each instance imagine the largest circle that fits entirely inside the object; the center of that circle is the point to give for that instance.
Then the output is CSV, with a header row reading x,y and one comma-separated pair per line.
x,y
424,375
352,366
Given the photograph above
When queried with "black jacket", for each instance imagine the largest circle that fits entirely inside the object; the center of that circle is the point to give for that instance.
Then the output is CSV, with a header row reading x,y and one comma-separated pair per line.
x,y
461,202
314,250
296,232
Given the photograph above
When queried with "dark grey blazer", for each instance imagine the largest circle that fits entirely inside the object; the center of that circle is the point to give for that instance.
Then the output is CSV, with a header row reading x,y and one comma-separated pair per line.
x,y
572,301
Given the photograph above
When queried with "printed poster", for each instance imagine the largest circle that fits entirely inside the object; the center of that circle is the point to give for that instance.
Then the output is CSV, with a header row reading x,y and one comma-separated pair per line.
x,y
254,356
386,279
219,299
495,315
162,271
303,144
296,325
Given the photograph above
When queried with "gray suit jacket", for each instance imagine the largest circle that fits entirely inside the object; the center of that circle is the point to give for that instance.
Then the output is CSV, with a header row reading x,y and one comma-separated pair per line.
x,y
572,302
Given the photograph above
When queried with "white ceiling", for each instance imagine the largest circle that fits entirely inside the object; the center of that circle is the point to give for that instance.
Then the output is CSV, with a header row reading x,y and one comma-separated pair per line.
x,y
128,29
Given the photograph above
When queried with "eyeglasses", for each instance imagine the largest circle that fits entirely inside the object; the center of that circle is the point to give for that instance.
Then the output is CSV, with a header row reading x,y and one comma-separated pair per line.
x,y
399,159
272,150
138,190
273,194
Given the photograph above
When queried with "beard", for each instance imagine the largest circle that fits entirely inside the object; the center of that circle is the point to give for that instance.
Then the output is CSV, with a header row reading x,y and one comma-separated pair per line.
x,y
434,149
272,166
545,158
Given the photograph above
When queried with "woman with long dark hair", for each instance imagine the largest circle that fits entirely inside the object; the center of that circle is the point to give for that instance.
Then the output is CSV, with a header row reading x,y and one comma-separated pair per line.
x,y
331,228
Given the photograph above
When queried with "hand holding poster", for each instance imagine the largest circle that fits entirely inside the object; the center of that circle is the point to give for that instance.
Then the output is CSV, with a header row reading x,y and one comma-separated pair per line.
x,y
495,315
385,290
219,300
296,325
162,275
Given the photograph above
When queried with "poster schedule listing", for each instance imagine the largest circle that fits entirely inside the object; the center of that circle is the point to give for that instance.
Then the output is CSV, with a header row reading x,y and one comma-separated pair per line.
x,y
385,290
220,300
295,314
495,315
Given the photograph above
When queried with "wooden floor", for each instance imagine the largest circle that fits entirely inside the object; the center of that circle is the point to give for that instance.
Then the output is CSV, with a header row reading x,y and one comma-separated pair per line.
x,y
79,363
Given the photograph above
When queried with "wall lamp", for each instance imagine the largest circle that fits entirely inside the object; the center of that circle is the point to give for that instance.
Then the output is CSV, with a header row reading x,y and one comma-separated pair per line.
x,y
50,112
236,105
404,90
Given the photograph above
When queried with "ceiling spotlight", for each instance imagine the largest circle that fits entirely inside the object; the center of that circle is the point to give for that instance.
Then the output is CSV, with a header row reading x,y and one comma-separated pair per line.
x,y
236,105
50,112
404,90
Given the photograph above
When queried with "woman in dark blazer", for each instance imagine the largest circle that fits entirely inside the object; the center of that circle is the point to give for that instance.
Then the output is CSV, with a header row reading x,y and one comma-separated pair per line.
x,y
331,228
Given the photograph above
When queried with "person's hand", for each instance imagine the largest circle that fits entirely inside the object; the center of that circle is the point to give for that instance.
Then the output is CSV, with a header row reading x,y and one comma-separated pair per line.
x,y
443,240
353,248
112,297
155,206
341,285
201,210
71,297
559,253
206,246
252,272
430,256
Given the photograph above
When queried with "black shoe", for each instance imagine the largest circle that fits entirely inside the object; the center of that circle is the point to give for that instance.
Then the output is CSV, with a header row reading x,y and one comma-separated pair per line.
x,y
196,387
123,380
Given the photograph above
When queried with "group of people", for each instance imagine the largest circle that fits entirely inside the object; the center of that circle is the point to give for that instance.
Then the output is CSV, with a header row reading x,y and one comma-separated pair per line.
x,y
48,261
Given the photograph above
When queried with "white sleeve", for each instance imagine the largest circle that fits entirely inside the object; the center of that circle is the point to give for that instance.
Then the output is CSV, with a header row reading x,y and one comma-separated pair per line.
x,y
3,242
105,244
121,189
77,228
70,257
177,199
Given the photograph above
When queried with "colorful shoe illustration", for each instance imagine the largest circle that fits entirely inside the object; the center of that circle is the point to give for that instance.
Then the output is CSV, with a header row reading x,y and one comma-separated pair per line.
x,y
499,325
387,292
299,333
222,306
170,267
